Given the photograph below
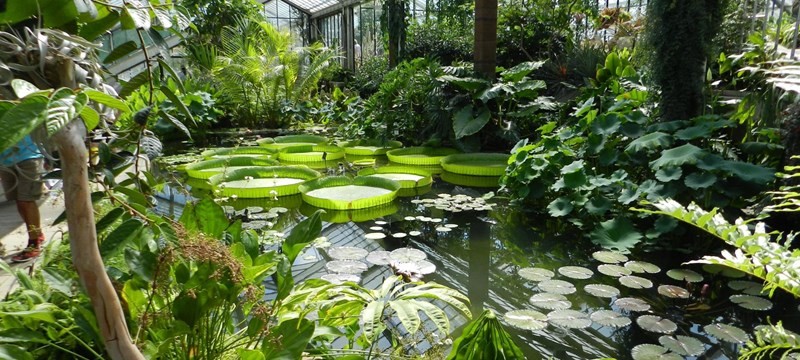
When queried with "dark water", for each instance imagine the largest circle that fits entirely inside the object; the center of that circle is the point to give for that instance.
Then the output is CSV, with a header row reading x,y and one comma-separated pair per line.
x,y
481,258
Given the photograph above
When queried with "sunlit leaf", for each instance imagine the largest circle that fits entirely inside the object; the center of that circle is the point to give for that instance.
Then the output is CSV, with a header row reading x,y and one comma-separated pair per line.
x,y
536,274
635,282
575,272
557,287
653,352
751,302
632,304
610,318
526,319
656,324
683,345
569,319
550,301
601,290
725,332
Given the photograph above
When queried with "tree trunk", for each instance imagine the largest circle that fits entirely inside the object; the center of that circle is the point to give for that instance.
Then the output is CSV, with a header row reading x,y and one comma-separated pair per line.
x,y
485,57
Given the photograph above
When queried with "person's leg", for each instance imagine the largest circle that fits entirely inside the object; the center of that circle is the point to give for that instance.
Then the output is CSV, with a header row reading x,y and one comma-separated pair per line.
x,y
29,211
29,190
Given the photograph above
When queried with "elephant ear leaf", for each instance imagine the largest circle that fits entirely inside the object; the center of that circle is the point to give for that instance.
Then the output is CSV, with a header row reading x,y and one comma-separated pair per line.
x,y
650,141
749,172
616,234
681,155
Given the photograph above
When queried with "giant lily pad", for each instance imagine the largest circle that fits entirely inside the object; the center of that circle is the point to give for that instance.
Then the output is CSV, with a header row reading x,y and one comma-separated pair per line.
x,y
725,332
343,193
632,304
242,151
208,168
550,301
610,318
262,182
347,253
346,266
407,254
575,272
476,164
675,292
311,153
684,345
747,287
751,302
569,319
685,275
642,267
379,257
557,287
613,270
408,177
601,290
470,180
656,324
635,282
288,141
536,274
653,352
526,319
609,257
369,147
419,155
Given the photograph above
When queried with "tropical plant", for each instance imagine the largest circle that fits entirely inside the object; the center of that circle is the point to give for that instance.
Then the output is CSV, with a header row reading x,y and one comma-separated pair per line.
x,y
771,342
485,338
369,75
446,41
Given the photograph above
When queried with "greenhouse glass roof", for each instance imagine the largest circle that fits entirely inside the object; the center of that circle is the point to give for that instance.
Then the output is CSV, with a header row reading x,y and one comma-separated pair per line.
x,y
310,7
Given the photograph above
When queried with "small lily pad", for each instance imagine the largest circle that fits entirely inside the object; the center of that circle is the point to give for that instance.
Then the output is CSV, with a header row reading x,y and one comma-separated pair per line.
x,y
422,267
407,255
572,319
341,278
452,226
613,270
380,222
409,218
379,257
347,253
443,229
683,345
653,352
723,270
376,228
610,318
375,236
751,302
642,267
685,275
399,235
635,282
747,287
414,233
526,319
675,292
609,257
346,266
632,304
425,267
550,301
575,272
656,324
725,332
600,290
536,274
557,287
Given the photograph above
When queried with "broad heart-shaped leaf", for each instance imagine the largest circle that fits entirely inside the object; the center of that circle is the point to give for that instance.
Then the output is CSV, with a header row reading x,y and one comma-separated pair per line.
x,y
120,236
601,290
616,234
64,105
466,83
293,336
650,141
597,205
560,287
700,180
751,302
521,70
725,332
681,155
610,318
749,172
635,282
667,174
550,301
19,120
609,257
465,124
302,234
683,345
560,207
536,274
685,275
606,124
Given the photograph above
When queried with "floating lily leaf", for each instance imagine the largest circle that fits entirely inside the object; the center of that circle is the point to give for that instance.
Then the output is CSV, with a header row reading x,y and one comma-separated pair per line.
x,y
684,345
700,180
376,228
747,287
613,270
550,301
618,234
609,257
653,352
751,302
632,304
409,218
569,319
667,174
407,255
656,324
346,266
443,229
347,253
723,270
601,290
681,155
536,274
422,267
725,332
379,257
598,205
375,236
642,267
557,287
685,275
560,207
341,278
414,233
425,267
399,235
380,222
610,318
575,272
452,226
635,282
526,319
675,292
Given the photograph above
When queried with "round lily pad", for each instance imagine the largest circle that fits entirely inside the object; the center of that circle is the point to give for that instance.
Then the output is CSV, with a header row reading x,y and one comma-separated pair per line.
x,y
376,228
399,235
422,267
346,266
632,304
683,345
550,301
656,324
728,333
747,287
685,275
610,318
380,222
419,155
653,352
675,292
613,270
341,278
478,164
379,257
344,193
526,319
642,267
409,177
600,290
375,236
557,287
635,282
347,253
572,319
409,218
751,302
536,274
443,229
452,226
575,272
407,255
609,257
414,233
723,270
425,267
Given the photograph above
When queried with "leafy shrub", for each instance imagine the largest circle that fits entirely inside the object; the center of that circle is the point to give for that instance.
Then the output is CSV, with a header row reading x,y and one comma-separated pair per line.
x,y
444,41
369,75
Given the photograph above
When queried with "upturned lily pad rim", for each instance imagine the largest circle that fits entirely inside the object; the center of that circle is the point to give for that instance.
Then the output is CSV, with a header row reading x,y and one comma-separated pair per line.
x,y
241,150
362,147
409,156
345,216
426,180
262,172
470,181
334,181
476,164
198,170
288,139
307,153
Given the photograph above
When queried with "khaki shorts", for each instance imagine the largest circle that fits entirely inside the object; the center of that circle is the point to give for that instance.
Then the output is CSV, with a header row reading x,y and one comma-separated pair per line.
x,y
24,180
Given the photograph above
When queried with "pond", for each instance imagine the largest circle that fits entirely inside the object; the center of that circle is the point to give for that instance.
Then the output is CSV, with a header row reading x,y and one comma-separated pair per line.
x,y
582,308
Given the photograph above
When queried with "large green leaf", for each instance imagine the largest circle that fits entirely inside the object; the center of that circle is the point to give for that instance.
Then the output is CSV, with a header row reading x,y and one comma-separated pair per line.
x,y
465,124
750,172
485,338
178,103
64,105
14,352
121,235
135,16
177,123
668,174
293,336
650,141
211,219
121,51
616,234
700,180
18,120
560,207
468,83
372,319
607,124
521,70
105,99
681,155
408,313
